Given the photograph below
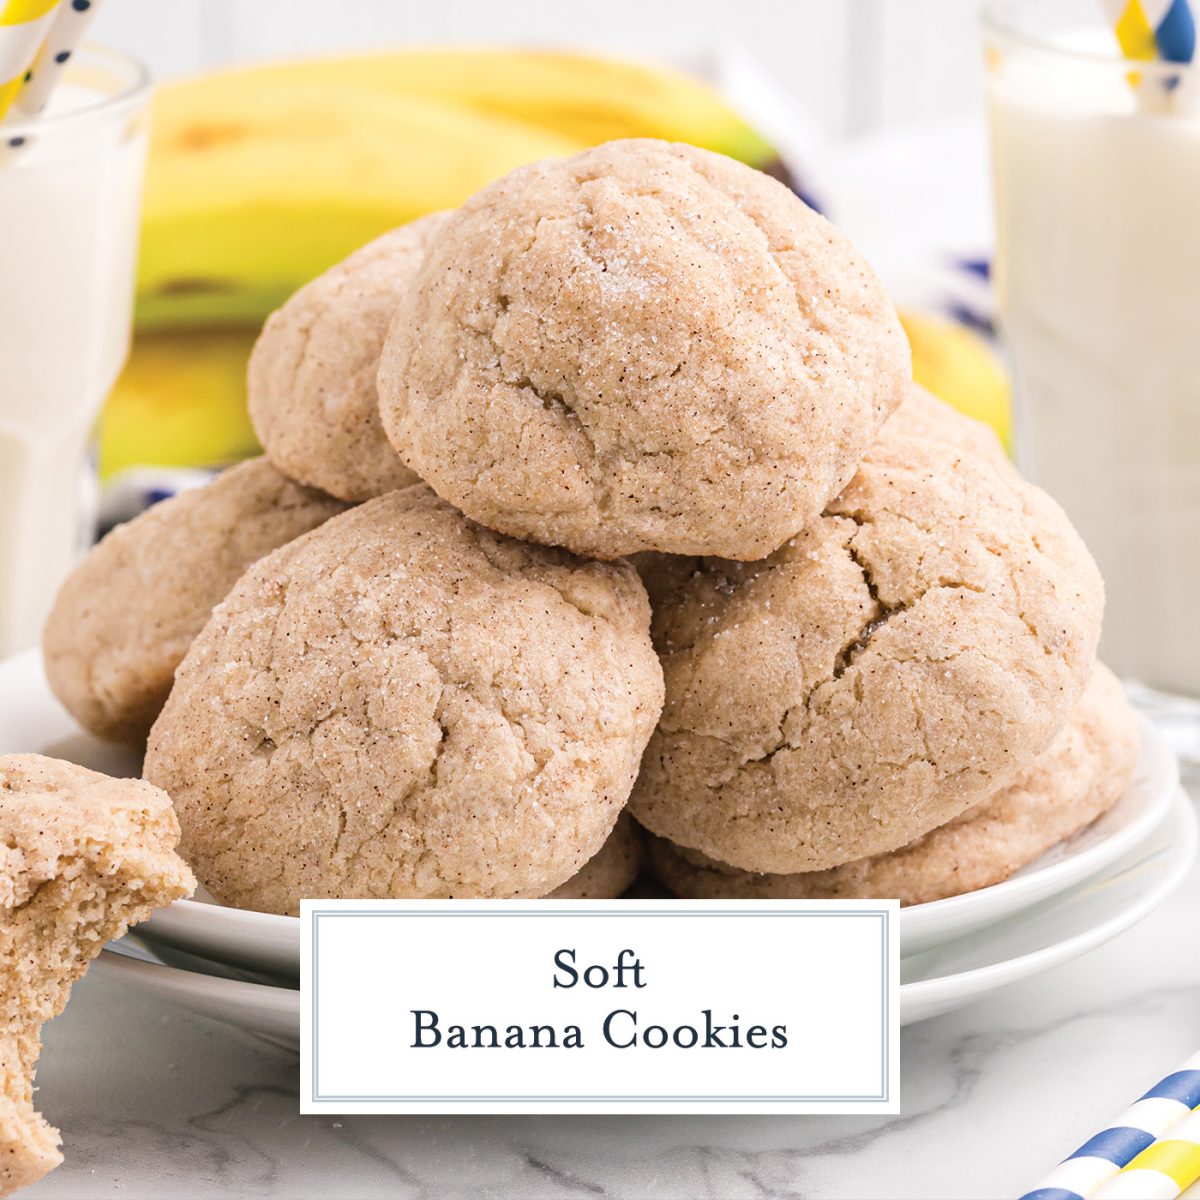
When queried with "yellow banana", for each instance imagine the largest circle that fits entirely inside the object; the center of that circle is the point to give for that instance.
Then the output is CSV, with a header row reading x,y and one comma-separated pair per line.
x,y
588,98
254,186
180,402
957,365
261,177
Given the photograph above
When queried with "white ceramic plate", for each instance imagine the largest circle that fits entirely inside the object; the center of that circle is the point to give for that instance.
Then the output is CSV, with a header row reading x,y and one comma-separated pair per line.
x,y
257,941
269,1012
934,982
1140,808
32,720
1057,929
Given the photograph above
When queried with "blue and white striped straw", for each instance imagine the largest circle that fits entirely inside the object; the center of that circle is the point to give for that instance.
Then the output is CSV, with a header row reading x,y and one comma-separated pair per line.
x,y
1101,1158
1162,1171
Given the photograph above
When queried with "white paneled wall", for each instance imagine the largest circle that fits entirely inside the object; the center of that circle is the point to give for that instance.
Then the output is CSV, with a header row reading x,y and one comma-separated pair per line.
x,y
857,66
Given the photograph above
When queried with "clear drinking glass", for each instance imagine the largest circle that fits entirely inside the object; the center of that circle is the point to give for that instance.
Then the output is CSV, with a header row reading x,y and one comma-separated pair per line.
x,y
70,197
1096,162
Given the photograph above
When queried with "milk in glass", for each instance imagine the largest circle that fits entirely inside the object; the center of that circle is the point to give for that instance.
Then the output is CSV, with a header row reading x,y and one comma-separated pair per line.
x,y
69,202
1097,178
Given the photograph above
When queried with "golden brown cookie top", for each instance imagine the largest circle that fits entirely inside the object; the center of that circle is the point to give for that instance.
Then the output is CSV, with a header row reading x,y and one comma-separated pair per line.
x,y
902,658
311,378
921,415
924,415
1076,779
609,872
644,346
124,618
403,703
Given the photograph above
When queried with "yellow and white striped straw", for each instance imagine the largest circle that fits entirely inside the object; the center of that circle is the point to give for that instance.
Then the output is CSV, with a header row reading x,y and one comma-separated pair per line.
x,y
24,25
1164,1170
66,32
1153,1121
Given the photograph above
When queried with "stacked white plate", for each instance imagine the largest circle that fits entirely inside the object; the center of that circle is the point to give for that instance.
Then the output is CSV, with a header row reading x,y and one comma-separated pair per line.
x,y
242,967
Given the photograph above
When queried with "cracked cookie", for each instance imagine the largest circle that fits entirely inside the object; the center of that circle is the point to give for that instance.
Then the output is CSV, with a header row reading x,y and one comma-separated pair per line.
x,y
82,858
921,415
608,874
646,346
897,662
124,618
1071,783
404,703
311,379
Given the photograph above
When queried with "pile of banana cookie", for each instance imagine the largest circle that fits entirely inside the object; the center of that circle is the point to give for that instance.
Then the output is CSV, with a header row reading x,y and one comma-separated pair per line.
x,y
599,521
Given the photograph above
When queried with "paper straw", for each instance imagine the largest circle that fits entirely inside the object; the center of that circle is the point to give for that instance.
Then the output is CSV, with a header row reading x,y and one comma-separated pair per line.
x,y
1150,29
66,32
1162,1171
1135,34
24,25
1175,33
1141,1127
1156,31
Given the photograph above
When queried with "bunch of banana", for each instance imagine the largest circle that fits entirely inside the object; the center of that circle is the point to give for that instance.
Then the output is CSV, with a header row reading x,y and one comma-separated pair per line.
x,y
180,402
259,178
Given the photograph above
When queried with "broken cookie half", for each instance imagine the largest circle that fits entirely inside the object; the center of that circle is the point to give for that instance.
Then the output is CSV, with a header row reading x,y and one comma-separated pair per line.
x,y
82,858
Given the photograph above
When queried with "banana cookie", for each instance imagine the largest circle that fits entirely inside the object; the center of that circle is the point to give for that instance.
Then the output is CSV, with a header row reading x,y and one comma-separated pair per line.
x,y
609,873
403,703
646,346
126,615
311,379
922,414
891,666
1077,779
82,858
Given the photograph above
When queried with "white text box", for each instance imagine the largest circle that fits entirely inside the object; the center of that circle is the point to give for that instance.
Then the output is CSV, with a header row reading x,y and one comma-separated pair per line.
x,y
586,1006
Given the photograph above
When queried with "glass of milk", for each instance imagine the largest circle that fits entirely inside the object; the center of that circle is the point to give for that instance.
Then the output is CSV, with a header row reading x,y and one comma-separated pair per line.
x,y
1097,182
70,194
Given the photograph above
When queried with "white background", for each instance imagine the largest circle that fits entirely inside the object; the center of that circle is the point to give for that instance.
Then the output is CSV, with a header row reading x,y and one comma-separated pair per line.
x,y
820,976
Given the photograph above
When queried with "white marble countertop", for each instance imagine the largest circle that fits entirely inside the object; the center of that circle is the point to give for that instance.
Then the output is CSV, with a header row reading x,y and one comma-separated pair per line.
x,y
154,1102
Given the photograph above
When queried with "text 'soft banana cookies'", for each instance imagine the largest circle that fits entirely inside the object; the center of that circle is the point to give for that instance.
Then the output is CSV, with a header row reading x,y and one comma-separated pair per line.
x,y
124,618
643,347
1071,783
311,379
897,662
404,703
